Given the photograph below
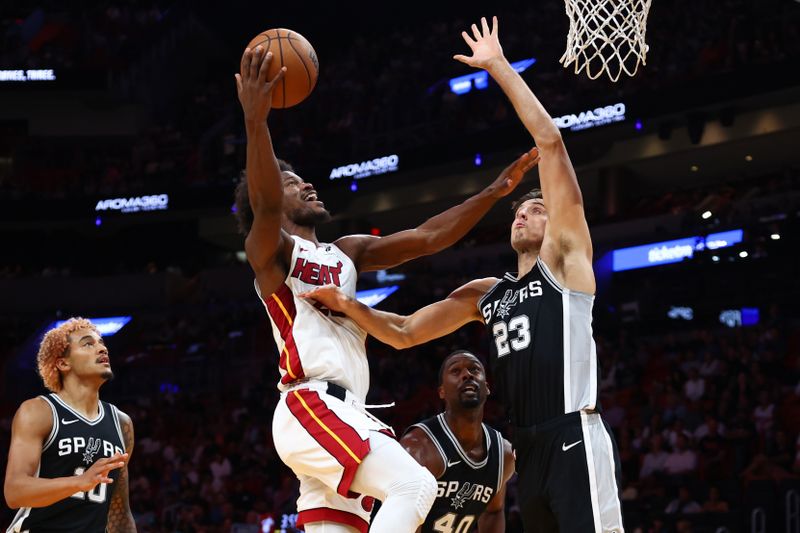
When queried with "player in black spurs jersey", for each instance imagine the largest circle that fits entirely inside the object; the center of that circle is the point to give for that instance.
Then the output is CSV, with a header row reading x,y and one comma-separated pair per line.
x,y
540,319
471,461
67,463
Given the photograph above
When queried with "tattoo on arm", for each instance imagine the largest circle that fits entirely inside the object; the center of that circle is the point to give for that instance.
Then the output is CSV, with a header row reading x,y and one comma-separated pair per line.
x,y
120,519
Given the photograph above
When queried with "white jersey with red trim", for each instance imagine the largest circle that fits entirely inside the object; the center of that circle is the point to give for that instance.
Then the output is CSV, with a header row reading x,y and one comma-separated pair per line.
x,y
314,342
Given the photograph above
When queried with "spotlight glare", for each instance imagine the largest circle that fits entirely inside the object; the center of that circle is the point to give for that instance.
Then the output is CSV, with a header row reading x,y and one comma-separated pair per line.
x,y
775,236
743,254
748,158
706,215
715,258
694,168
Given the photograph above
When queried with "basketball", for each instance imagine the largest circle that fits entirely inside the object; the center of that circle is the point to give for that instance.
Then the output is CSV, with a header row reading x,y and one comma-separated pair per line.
x,y
293,51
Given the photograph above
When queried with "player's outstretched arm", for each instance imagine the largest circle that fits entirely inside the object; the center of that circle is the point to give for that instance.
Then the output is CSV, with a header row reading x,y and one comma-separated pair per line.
x,y
568,244
430,322
29,430
264,183
493,519
439,232
120,518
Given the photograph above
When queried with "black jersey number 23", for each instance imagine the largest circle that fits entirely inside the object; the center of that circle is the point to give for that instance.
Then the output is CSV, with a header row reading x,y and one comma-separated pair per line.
x,y
514,335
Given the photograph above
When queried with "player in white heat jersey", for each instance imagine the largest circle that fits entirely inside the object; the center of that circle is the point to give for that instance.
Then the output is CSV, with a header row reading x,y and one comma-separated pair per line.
x,y
312,341
341,454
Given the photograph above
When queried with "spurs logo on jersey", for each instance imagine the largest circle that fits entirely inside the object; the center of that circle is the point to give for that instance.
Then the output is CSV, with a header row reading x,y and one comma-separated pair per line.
x,y
313,342
464,492
509,300
91,450
503,307
70,445
466,486
542,352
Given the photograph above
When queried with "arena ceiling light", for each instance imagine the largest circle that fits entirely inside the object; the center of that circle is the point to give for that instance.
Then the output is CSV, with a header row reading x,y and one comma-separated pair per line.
x,y
373,297
680,313
107,326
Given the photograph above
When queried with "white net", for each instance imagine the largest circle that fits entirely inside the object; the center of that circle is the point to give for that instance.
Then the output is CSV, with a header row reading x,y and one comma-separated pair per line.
x,y
606,36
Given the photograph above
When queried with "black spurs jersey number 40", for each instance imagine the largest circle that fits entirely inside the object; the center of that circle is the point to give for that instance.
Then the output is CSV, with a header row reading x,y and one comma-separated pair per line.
x,y
542,351
466,487
74,444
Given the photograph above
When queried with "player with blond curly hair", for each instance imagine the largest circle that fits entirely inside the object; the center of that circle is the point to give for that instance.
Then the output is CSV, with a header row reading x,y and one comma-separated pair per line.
x,y
67,463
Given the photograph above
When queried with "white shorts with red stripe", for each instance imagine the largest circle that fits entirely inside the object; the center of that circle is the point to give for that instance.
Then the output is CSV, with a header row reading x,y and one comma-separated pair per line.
x,y
324,440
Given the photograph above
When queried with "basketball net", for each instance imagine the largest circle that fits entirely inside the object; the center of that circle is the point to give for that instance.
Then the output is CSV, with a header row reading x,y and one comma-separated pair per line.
x,y
606,36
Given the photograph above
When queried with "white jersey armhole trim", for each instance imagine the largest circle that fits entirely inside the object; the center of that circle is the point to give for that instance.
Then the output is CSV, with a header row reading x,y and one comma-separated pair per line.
x,y
548,275
54,431
118,425
435,442
551,279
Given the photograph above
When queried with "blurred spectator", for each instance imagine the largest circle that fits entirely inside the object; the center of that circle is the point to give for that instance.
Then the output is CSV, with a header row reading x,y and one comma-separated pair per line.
x,y
681,460
655,459
709,427
764,413
676,430
695,386
715,504
683,504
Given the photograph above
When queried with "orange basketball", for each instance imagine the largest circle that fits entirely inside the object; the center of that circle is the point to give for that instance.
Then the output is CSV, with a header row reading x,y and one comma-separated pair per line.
x,y
292,50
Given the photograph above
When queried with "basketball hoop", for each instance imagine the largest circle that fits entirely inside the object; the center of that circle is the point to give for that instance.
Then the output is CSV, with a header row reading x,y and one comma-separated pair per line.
x,y
606,36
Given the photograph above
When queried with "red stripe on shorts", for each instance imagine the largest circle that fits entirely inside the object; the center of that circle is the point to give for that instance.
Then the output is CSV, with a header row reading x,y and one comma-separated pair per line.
x,y
332,515
337,438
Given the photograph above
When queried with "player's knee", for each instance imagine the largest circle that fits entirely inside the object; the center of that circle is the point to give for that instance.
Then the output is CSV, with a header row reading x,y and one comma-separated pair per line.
x,y
418,487
427,494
